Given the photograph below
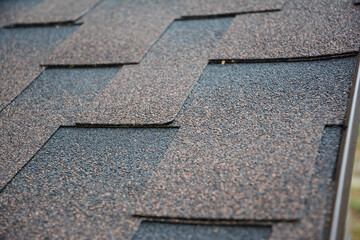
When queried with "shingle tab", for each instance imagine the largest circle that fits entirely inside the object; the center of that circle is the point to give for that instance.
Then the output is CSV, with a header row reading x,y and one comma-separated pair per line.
x,y
21,51
248,141
165,231
81,184
300,29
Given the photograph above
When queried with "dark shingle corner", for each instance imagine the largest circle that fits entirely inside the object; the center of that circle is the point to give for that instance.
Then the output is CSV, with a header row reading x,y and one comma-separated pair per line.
x,y
180,119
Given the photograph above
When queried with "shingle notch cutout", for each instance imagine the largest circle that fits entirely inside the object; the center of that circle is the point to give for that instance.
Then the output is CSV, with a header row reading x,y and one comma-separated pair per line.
x,y
81,184
252,131
164,231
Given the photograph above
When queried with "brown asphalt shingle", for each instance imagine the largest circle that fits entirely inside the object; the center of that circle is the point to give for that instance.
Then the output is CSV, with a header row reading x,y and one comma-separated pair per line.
x,y
301,29
106,37
248,141
243,143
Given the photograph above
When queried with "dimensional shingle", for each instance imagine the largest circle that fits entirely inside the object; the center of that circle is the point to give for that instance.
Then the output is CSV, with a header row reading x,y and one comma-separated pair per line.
x,y
154,90
248,141
115,32
57,97
21,51
81,184
315,221
164,231
52,11
301,29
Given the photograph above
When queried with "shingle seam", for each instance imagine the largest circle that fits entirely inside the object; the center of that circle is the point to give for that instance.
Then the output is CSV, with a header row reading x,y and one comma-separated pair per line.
x,y
46,24
223,15
212,221
89,125
81,15
105,65
295,59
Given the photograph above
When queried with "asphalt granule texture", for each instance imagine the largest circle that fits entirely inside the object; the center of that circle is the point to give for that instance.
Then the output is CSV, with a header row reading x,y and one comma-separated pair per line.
x,y
300,29
21,51
248,141
165,231
115,32
317,215
155,90
49,11
10,10
81,184
57,97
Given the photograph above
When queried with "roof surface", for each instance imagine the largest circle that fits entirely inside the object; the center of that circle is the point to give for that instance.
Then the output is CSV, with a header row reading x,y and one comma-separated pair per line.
x,y
181,119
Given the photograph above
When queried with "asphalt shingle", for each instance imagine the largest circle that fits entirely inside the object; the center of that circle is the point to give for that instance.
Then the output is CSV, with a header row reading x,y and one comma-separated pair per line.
x,y
21,51
330,28
248,141
81,184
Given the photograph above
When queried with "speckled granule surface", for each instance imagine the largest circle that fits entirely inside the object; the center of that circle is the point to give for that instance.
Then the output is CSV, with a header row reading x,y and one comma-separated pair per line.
x,y
154,90
315,221
11,9
53,11
167,231
21,51
300,29
57,97
248,141
242,150
81,184
125,30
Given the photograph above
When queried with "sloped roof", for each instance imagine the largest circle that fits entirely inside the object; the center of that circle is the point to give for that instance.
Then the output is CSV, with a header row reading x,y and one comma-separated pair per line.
x,y
181,119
